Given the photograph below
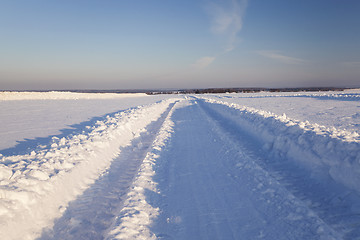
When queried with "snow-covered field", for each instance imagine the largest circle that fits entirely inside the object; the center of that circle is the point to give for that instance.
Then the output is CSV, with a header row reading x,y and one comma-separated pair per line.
x,y
227,166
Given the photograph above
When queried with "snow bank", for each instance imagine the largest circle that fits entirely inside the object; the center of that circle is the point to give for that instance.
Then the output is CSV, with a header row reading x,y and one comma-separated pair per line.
x,y
348,96
333,96
326,111
321,149
136,216
35,188
24,122
6,96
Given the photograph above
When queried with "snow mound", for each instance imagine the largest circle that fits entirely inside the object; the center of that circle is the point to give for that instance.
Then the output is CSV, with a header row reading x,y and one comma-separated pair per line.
x,y
136,216
321,149
348,96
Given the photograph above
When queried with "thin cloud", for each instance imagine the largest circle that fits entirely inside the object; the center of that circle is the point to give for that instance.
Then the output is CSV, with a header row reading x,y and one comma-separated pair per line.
x,y
275,55
351,64
203,62
228,20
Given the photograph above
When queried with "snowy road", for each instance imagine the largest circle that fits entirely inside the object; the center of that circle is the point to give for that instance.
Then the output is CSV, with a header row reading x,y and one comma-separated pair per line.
x,y
186,168
211,188
215,181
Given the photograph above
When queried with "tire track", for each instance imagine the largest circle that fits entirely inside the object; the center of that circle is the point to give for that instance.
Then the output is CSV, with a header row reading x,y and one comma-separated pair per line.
x,y
220,192
93,212
330,201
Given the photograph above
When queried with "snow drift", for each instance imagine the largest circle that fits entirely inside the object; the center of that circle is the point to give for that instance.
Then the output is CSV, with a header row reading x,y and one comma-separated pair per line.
x,y
320,149
136,216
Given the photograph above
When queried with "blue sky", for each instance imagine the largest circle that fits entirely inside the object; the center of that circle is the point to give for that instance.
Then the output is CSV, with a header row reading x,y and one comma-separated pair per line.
x,y
124,44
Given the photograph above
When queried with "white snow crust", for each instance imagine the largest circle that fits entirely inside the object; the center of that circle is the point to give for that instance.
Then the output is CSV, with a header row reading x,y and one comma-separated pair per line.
x,y
224,166
22,120
338,110
321,149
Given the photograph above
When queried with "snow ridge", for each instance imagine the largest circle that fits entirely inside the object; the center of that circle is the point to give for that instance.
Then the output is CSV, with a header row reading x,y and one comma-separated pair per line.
x,y
35,188
322,150
136,216
323,96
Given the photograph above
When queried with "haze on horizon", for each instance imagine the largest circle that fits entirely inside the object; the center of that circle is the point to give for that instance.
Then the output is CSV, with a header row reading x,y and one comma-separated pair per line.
x,y
94,44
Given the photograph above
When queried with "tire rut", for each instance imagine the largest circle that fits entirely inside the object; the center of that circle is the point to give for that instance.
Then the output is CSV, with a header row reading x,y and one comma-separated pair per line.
x,y
92,213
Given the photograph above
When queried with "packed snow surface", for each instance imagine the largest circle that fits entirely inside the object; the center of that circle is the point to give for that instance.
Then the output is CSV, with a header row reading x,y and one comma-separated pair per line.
x,y
226,166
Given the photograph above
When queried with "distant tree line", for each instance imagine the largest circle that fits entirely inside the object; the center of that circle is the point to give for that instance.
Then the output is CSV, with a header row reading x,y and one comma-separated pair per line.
x,y
193,91
243,90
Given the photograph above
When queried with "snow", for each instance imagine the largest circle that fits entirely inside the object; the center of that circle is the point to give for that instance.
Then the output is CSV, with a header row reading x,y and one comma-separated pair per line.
x,y
137,214
202,196
225,166
44,181
48,113
332,151
333,109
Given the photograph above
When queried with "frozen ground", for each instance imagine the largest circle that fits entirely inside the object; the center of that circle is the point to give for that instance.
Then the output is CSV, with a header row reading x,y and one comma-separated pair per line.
x,y
231,166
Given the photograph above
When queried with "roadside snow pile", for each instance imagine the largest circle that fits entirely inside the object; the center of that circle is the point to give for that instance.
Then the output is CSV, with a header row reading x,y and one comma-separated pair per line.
x,y
321,149
325,96
136,216
325,111
26,122
343,97
35,188
6,96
